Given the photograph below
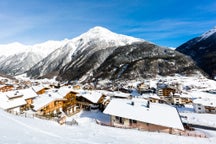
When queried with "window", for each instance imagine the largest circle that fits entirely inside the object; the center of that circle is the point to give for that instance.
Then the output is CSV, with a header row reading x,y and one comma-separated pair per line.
x,y
116,117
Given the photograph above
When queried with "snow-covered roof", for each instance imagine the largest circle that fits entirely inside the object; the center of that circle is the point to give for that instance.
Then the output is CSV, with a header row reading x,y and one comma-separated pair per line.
x,y
92,96
37,88
120,94
206,101
6,103
13,94
28,93
158,114
63,91
44,99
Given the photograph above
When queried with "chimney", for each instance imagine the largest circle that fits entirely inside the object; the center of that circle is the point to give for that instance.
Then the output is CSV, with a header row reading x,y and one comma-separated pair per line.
x,y
148,104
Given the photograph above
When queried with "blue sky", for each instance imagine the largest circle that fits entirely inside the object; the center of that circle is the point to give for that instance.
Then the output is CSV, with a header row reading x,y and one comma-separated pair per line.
x,y
164,22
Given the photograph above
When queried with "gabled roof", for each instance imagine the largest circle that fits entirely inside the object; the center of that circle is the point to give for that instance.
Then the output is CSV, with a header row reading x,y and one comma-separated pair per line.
x,y
206,102
13,94
28,93
63,91
37,88
45,99
158,114
6,103
120,94
92,96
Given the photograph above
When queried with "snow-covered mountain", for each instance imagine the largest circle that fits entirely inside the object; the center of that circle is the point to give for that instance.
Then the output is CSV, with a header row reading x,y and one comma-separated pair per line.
x,y
79,48
202,50
16,58
139,60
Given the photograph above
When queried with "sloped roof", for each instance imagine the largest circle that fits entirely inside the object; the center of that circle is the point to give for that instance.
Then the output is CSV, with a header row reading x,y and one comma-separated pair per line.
x,y
158,114
92,96
5,103
45,99
28,93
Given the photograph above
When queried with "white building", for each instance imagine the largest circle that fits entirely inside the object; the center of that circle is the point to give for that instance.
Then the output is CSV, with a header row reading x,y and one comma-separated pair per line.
x,y
205,105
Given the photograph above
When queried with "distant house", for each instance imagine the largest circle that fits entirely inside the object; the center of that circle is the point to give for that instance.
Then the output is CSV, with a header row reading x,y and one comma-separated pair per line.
x,y
90,100
165,91
5,88
143,87
204,105
122,95
152,98
141,114
178,99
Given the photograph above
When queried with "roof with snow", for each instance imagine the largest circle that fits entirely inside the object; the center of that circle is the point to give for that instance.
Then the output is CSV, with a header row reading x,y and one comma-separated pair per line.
x,y
158,114
63,91
120,94
92,96
45,99
37,88
206,101
13,94
6,103
28,93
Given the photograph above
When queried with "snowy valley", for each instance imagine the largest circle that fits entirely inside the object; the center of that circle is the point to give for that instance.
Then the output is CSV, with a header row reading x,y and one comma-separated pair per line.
x,y
103,87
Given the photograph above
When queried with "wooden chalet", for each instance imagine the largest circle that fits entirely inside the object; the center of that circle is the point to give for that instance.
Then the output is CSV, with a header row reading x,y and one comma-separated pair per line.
x,y
6,88
166,91
90,100
49,104
69,105
40,89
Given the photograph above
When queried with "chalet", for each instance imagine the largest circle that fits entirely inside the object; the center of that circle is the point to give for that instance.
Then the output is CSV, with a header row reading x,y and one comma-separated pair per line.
x,y
11,102
143,87
178,99
118,94
69,105
28,95
152,98
40,89
165,91
141,114
5,88
18,100
90,100
49,103
204,105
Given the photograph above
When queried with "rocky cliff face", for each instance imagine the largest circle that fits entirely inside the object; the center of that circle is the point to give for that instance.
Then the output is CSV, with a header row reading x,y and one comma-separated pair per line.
x,y
202,50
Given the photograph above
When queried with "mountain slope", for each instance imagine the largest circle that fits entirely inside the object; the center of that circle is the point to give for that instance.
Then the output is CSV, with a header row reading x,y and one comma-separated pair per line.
x,y
78,49
202,50
135,61
16,58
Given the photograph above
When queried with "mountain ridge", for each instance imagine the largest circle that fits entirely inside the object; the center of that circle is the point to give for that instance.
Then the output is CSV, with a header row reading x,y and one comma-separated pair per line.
x,y
202,50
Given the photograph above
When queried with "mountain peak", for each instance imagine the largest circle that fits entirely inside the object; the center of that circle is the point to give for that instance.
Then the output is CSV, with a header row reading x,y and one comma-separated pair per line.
x,y
208,33
97,29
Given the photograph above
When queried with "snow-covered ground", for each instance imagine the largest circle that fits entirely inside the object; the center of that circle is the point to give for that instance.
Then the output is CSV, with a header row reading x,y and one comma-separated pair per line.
x,y
20,130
